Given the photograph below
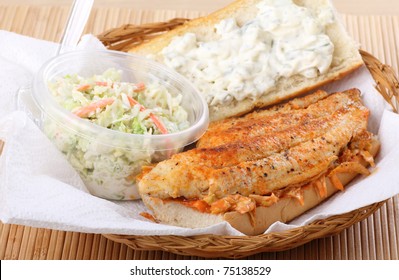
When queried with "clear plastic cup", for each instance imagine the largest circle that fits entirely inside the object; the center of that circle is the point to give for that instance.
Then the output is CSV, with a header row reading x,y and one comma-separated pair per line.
x,y
107,160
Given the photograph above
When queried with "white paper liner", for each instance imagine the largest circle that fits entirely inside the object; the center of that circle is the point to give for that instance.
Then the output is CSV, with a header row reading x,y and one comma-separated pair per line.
x,y
39,188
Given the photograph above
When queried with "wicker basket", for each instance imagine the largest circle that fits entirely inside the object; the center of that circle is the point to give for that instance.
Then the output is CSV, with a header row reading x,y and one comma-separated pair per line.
x,y
212,246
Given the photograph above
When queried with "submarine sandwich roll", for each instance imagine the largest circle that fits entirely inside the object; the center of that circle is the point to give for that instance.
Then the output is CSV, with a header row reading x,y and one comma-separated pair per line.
x,y
267,166
255,53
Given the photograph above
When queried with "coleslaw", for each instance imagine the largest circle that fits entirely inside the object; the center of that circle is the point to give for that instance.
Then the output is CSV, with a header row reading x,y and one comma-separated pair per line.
x,y
109,171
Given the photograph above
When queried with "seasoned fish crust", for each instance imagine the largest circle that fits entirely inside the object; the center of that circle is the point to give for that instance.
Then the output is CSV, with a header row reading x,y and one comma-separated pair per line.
x,y
278,118
264,151
215,129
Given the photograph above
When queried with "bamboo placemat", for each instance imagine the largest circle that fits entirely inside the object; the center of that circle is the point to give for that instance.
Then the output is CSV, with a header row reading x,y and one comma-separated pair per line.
x,y
377,237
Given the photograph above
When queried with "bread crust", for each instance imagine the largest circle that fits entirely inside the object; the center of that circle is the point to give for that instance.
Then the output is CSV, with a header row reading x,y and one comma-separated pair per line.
x,y
346,57
251,223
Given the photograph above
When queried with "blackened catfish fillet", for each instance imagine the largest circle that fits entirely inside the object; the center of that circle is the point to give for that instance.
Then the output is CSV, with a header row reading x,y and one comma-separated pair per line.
x,y
270,165
262,151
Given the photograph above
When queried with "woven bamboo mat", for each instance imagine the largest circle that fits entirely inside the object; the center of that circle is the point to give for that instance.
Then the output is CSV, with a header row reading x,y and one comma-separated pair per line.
x,y
377,237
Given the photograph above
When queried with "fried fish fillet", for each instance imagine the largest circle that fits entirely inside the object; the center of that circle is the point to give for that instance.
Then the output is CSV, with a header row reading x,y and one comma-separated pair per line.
x,y
294,114
265,151
217,129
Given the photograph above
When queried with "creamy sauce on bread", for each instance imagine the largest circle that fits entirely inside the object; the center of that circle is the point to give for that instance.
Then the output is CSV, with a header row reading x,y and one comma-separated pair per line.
x,y
246,61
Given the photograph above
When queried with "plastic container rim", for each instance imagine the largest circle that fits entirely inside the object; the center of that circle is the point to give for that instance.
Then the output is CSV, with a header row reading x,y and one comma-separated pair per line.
x,y
39,84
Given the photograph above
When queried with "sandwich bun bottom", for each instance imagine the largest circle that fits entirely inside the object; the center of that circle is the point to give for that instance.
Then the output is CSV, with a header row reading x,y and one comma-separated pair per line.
x,y
284,210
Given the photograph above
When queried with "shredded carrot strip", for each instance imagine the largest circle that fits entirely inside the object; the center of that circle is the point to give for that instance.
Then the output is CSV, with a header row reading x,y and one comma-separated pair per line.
x,y
159,124
336,182
103,84
83,87
156,121
351,167
321,186
85,111
139,87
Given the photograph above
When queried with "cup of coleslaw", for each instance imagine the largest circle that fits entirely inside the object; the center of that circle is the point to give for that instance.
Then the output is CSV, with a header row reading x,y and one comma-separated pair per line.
x,y
113,113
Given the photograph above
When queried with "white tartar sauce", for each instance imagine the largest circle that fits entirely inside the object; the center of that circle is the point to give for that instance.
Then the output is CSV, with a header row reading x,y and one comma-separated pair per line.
x,y
245,61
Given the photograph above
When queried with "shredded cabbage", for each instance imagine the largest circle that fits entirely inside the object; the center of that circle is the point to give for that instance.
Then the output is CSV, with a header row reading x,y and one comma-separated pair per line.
x,y
109,171
74,92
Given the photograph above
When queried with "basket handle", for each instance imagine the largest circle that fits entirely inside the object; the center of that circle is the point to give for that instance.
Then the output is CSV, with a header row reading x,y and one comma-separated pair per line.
x,y
127,36
386,79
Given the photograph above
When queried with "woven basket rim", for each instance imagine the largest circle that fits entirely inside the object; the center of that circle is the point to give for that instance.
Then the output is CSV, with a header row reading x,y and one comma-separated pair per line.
x,y
212,246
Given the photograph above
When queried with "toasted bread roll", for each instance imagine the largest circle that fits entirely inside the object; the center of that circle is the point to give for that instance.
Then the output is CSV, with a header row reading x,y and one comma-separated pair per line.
x,y
257,221
297,156
254,53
